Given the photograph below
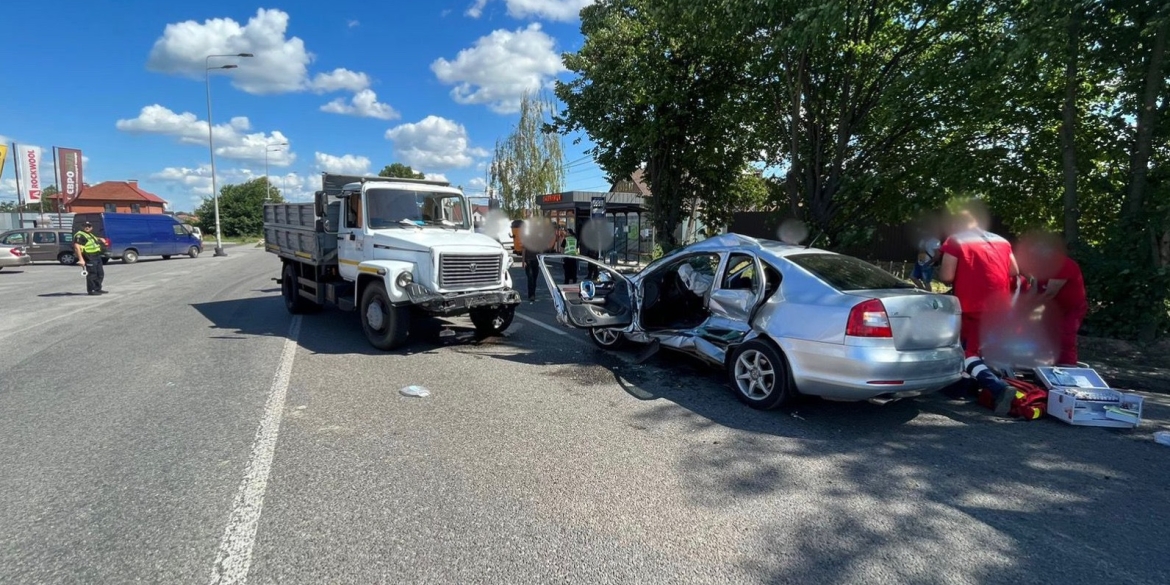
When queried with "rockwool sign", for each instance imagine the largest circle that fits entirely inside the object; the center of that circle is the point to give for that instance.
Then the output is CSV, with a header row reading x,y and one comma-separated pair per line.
x,y
28,159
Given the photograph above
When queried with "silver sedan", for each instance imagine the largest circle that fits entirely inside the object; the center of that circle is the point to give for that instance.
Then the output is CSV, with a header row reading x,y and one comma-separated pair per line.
x,y
780,319
13,256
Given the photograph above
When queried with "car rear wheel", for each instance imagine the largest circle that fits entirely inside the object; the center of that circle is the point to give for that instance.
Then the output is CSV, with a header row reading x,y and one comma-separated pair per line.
x,y
607,338
759,375
67,258
193,252
129,256
166,256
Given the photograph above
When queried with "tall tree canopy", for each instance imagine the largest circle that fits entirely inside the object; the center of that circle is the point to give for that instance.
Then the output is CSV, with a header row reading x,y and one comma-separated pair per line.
x,y
529,162
241,208
1056,112
400,171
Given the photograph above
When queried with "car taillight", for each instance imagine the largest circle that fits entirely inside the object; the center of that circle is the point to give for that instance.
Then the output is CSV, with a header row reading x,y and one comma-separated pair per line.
x,y
106,241
869,319
17,252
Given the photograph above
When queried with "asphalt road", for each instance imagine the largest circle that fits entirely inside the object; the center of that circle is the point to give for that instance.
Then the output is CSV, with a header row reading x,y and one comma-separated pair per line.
x,y
185,429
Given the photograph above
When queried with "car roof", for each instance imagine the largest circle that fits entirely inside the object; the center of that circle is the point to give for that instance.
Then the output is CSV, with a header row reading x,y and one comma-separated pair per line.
x,y
768,249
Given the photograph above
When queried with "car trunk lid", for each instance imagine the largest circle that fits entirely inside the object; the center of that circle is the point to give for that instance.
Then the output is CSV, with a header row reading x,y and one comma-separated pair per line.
x,y
919,320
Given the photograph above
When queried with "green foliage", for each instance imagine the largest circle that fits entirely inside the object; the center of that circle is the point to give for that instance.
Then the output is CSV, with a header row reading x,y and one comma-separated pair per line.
x,y
400,171
241,209
529,162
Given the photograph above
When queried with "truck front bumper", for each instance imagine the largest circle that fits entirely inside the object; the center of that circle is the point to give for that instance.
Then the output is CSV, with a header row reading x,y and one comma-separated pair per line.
x,y
458,303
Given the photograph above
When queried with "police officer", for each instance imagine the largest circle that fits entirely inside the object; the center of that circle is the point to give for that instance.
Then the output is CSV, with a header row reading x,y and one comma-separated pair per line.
x,y
89,249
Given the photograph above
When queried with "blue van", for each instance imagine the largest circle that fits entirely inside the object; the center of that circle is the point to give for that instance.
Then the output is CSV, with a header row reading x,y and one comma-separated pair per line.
x,y
133,235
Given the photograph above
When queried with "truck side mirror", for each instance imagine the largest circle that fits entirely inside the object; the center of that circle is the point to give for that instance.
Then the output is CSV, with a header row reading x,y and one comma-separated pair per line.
x,y
320,201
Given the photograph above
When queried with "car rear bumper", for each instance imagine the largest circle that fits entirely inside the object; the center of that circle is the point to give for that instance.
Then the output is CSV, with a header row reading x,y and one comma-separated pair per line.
x,y
843,372
21,261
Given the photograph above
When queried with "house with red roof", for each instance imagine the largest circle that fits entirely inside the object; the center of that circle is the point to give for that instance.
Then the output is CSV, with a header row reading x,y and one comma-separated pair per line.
x,y
116,197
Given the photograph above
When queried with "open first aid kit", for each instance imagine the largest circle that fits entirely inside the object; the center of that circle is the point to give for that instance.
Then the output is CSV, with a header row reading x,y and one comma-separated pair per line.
x,y
1079,396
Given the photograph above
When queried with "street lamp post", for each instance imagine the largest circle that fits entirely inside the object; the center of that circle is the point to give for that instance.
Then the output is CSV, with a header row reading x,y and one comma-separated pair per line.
x,y
211,141
268,181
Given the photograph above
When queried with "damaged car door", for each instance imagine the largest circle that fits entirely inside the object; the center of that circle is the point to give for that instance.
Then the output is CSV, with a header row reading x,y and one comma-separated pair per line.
x,y
607,302
737,291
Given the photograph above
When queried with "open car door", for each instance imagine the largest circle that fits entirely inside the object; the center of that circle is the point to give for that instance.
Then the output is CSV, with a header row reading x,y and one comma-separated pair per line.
x,y
607,302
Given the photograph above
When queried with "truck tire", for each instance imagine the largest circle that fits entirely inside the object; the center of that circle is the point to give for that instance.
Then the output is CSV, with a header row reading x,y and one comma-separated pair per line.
x,y
490,321
129,256
293,301
387,327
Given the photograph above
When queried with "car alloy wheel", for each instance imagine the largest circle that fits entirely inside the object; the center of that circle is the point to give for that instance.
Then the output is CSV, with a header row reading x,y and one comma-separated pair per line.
x,y
606,338
755,375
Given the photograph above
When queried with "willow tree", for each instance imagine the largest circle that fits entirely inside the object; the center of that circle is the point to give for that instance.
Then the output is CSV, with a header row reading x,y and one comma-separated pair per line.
x,y
529,162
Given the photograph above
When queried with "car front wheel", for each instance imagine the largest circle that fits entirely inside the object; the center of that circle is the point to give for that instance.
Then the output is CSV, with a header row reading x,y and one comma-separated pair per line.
x,y
759,375
67,258
607,338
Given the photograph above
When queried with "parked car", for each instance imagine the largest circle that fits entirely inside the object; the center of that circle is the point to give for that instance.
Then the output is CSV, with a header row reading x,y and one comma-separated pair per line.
x,y
131,235
13,256
44,244
780,319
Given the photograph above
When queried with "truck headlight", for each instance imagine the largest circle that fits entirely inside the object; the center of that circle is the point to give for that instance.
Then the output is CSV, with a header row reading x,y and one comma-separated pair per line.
x,y
404,279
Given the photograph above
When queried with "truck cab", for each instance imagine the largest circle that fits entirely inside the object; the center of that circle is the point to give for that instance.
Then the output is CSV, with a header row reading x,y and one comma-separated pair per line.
x,y
391,248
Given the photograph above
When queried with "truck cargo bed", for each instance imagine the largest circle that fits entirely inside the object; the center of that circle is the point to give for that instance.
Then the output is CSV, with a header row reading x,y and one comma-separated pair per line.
x,y
292,231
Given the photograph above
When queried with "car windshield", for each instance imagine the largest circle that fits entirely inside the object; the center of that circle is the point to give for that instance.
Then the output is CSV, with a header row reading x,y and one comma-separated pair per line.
x,y
846,273
397,207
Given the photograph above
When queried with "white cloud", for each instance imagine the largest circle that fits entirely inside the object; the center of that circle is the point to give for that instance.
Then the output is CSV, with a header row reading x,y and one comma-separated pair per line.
x,y
501,67
231,140
364,104
563,10
476,9
196,182
347,164
436,177
434,143
340,79
477,183
280,63
354,23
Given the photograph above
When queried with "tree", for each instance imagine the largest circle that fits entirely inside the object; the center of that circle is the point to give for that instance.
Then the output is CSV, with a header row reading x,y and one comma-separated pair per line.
x,y
241,208
529,162
658,86
400,171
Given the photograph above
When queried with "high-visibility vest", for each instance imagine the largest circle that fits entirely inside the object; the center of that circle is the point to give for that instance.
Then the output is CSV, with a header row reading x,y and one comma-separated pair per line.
x,y
570,245
91,245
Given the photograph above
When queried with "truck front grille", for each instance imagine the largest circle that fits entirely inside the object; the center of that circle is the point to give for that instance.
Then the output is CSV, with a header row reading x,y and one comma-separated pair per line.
x,y
458,271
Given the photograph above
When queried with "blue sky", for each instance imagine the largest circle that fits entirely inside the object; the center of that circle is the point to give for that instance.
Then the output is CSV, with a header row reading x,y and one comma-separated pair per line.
x,y
351,86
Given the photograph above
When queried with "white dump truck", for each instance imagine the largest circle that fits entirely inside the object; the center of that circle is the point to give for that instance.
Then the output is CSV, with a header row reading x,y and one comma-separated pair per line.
x,y
392,249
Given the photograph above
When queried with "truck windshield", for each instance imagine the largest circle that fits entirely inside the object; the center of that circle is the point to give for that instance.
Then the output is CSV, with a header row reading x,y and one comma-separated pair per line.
x,y
397,207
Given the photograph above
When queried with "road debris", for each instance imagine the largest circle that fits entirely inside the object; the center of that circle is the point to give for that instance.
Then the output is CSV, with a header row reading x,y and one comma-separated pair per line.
x,y
1162,438
415,391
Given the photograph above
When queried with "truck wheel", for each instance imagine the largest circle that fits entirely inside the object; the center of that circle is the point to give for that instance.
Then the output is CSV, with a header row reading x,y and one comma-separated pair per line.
x,y
493,321
67,258
386,326
129,257
293,301
193,252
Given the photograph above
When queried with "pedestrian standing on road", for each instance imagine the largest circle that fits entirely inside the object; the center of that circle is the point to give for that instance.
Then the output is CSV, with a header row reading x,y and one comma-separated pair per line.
x,y
539,239
567,244
88,248
1060,288
981,267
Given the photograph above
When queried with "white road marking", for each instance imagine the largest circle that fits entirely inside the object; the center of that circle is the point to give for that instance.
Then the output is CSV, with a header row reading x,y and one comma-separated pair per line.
x,y
235,549
539,324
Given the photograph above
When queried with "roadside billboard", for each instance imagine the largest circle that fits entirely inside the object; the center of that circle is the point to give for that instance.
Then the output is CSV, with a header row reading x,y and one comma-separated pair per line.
x,y
3,158
69,170
28,161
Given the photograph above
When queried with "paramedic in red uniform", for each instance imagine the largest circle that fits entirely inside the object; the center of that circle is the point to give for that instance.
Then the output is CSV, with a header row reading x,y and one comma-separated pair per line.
x,y
981,267
1065,293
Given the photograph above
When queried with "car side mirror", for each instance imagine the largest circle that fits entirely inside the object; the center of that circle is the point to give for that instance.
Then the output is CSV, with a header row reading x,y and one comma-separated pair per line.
x,y
588,290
